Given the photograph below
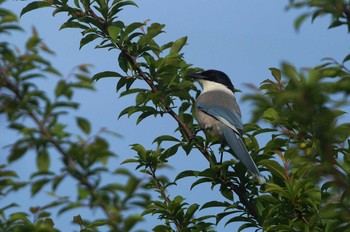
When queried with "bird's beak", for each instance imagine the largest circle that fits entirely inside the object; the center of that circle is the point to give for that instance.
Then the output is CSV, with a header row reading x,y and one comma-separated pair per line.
x,y
197,76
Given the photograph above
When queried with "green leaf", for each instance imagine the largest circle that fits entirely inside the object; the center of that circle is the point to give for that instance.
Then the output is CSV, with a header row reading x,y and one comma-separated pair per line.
x,y
105,74
178,45
84,125
77,219
211,204
16,153
276,73
114,31
271,115
49,223
38,185
70,206
143,116
347,58
187,173
19,216
190,212
335,23
227,194
245,226
56,181
152,31
275,168
34,5
162,138
87,39
131,221
141,151
141,97
129,161
299,21
220,216
71,24
8,173
43,160
63,89
130,28
201,181
162,228
123,62
170,151
32,42
97,223
117,7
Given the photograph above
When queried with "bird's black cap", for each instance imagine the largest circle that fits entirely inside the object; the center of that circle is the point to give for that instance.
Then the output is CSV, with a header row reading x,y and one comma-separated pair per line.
x,y
215,76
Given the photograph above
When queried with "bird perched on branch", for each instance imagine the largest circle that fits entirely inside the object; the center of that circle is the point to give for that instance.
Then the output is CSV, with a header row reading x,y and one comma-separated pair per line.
x,y
218,113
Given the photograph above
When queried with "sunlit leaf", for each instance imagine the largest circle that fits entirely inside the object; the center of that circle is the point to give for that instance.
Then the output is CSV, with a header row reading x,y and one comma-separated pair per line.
x,y
177,45
114,31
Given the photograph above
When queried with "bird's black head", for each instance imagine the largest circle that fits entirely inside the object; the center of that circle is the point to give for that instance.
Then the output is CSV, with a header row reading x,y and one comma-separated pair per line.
x,y
215,76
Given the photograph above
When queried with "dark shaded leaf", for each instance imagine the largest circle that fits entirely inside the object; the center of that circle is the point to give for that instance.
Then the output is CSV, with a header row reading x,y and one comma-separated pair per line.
x,y
34,5
38,185
211,204
84,125
187,173
105,74
87,39
71,24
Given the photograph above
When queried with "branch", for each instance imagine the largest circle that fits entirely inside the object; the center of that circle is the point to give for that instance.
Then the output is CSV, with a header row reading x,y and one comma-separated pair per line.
x,y
164,196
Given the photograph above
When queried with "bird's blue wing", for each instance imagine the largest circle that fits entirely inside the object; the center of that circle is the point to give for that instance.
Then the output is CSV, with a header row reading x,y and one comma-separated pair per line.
x,y
232,127
227,116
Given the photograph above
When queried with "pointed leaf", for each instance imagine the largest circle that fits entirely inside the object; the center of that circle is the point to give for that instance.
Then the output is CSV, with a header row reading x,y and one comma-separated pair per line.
x,y
105,74
87,39
274,167
177,45
71,24
187,173
190,212
34,5
276,73
211,204
114,31
84,125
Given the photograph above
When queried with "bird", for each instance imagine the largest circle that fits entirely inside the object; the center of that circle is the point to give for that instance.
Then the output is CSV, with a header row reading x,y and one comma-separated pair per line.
x,y
218,113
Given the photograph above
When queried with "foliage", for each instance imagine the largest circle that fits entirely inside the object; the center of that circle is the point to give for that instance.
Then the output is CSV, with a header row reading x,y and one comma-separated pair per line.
x,y
338,10
37,120
306,157
309,191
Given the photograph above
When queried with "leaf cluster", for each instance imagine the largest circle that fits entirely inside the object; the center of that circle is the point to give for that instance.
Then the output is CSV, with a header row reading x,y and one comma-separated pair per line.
x,y
338,10
38,121
310,145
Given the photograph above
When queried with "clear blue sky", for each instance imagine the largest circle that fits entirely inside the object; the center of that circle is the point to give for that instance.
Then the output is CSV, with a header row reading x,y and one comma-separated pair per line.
x,y
242,38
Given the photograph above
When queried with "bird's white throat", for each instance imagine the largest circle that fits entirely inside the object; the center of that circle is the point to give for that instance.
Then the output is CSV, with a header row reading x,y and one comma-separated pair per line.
x,y
211,86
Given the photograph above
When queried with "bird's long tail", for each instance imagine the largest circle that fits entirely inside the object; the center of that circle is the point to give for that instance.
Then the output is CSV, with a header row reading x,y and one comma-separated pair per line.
x,y
238,147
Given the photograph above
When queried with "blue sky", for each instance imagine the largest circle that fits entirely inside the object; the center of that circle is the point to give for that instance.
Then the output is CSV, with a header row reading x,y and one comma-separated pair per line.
x,y
243,38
